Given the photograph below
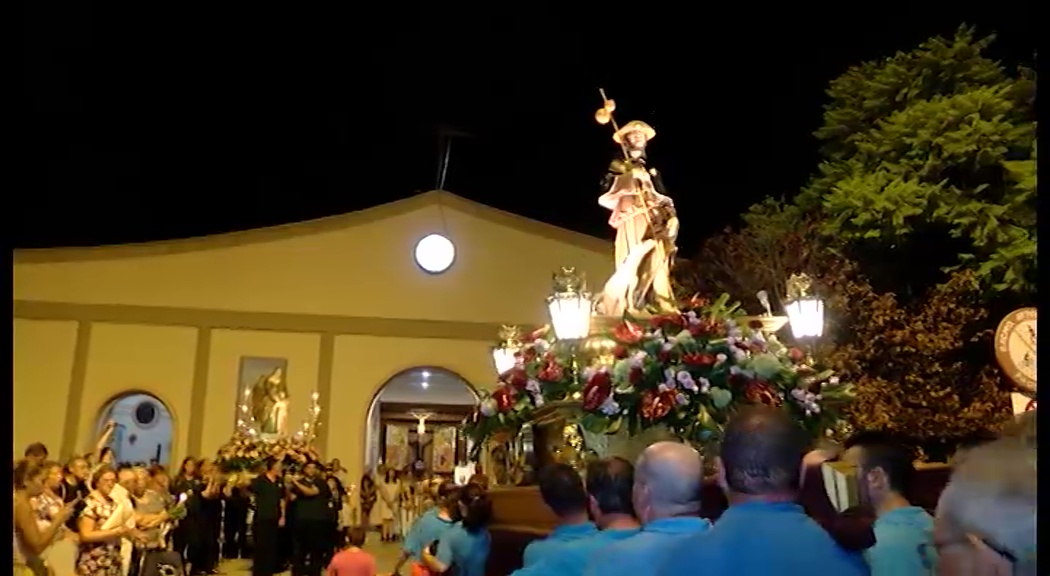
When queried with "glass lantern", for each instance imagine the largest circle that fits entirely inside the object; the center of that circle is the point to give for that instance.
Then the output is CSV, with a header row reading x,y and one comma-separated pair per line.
x,y
504,355
570,306
805,311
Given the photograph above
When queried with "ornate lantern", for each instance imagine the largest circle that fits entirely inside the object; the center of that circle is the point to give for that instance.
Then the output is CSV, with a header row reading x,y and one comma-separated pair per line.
x,y
805,311
570,305
504,354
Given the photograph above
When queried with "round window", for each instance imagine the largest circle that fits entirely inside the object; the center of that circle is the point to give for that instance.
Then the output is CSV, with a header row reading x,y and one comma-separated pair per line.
x,y
435,253
145,413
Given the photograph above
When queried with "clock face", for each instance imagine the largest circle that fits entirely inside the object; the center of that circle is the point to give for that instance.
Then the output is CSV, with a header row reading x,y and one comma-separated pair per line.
x,y
1015,348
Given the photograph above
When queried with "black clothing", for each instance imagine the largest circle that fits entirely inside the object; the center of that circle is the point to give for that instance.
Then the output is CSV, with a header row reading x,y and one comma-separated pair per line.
x,y
268,496
265,542
235,525
205,516
71,492
180,535
316,507
311,547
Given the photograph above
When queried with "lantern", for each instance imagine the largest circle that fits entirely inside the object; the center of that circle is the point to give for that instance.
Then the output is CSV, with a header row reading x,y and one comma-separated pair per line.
x,y
570,306
504,356
805,311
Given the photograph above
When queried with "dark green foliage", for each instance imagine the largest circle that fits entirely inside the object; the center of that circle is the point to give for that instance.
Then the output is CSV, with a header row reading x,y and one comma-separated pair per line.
x,y
934,146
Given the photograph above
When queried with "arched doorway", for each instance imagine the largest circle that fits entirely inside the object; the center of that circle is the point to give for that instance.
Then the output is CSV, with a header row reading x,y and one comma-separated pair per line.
x,y
430,400
144,428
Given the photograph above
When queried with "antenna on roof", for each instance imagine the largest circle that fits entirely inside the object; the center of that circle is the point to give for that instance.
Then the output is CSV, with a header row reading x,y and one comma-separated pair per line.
x,y
446,134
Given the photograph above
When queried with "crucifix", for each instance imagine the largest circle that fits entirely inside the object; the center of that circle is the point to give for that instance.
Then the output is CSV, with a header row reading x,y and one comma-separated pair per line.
x,y
421,442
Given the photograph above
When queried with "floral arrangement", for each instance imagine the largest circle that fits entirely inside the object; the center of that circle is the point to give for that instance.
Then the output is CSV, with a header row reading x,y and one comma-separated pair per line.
x,y
246,453
688,371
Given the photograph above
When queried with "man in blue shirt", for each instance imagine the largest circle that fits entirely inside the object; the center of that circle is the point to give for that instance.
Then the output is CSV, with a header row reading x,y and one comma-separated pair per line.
x,y
430,527
666,497
609,485
903,533
763,532
562,490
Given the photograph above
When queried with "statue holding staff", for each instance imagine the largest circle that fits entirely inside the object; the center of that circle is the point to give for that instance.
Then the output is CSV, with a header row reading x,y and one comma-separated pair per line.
x,y
646,224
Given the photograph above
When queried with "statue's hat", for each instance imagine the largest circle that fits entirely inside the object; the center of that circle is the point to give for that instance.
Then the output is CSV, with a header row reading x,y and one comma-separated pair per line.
x,y
634,126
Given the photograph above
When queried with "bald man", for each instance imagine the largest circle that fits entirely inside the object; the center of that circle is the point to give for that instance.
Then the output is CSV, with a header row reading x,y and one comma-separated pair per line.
x,y
764,531
666,498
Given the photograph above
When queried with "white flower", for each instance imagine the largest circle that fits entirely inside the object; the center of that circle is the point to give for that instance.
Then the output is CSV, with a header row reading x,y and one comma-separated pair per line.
x,y
538,399
739,355
704,385
834,381
533,386
488,407
609,407
681,399
638,358
668,345
685,379
664,387
541,345
719,358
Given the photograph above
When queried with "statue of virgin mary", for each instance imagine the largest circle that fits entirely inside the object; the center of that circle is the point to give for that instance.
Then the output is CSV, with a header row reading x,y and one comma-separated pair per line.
x,y
270,404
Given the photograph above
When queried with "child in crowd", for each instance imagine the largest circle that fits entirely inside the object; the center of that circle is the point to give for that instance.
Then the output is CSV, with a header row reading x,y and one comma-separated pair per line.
x,y
351,560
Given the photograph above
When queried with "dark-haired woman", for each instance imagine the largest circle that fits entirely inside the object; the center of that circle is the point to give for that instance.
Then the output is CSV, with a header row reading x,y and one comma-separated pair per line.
x,y
186,484
465,546
32,537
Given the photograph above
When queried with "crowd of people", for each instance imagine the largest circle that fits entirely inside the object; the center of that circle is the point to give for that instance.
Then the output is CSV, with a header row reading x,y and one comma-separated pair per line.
x,y
99,518
641,518
647,518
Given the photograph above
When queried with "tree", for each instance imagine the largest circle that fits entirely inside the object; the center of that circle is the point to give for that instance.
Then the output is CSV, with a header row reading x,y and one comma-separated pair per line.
x,y
929,162
922,372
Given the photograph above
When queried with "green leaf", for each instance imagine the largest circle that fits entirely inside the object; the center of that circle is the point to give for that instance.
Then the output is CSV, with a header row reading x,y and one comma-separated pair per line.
x,y
720,397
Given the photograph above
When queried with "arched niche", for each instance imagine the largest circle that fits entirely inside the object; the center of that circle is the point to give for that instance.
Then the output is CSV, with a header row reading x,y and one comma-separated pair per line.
x,y
145,428
438,397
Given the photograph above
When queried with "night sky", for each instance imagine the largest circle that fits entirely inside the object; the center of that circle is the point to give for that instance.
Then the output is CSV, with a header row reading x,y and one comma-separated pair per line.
x,y
140,124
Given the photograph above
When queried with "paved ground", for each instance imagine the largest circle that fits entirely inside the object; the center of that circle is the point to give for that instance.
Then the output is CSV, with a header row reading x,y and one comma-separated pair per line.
x,y
386,556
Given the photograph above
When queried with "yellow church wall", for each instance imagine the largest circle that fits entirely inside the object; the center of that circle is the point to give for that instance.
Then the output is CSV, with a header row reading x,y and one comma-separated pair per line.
x,y
361,365
123,358
43,354
227,347
502,273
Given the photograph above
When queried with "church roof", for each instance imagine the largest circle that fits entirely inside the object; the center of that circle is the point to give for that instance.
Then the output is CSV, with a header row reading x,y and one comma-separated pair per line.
x,y
317,226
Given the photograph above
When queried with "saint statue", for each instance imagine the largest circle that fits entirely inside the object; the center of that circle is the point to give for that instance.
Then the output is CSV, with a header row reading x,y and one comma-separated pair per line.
x,y
270,403
646,229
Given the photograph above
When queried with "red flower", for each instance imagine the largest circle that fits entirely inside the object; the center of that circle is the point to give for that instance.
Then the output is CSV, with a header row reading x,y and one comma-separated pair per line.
x,y
669,323
627,333
702,359
754,324
535,335
796,355
656,405
761,392
551,372
504,397
527,355
597,390
516,378
635,375
738,380
695,303
620,351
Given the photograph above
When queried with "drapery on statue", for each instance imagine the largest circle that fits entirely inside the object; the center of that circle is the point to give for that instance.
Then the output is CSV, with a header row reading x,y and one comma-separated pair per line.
x,y
645,221
270,403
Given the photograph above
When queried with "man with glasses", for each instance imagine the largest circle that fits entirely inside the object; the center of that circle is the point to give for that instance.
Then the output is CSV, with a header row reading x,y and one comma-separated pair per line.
x,y
986,517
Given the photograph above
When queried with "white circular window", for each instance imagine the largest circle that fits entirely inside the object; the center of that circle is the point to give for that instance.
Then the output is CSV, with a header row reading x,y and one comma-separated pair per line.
x,y
435,253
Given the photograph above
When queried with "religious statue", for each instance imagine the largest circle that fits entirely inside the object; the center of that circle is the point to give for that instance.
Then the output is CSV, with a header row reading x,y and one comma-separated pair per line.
x,y
270,403
646,225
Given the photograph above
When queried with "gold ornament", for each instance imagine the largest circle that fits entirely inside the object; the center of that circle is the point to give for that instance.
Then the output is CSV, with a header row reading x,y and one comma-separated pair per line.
x,y
602,116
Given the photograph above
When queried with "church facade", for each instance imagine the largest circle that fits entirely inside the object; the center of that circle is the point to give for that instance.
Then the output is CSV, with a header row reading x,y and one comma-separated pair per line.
x,y
342,300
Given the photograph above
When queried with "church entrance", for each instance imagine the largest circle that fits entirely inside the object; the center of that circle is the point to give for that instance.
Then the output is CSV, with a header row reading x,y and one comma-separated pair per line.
x,y
144,429
415,424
